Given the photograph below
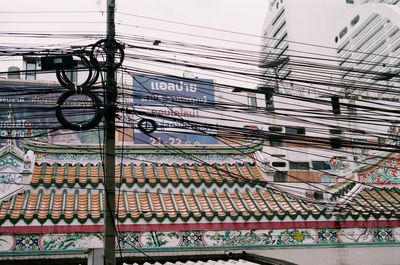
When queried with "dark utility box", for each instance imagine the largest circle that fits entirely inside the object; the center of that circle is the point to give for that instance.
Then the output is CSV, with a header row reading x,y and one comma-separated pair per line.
x,y
55,62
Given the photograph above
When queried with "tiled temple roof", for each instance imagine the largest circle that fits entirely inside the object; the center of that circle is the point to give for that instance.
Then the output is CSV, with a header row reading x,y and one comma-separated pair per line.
x,y
373,201
156,185
150,205
151,175
156,205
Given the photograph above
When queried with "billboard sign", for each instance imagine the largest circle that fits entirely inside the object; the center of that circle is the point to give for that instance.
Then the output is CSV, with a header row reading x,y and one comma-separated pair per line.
x,y
179,106
28,112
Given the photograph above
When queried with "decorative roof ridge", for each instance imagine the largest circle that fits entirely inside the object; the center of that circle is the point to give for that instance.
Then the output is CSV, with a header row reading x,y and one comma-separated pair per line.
x,y
128,162
344,195
12,148
40,147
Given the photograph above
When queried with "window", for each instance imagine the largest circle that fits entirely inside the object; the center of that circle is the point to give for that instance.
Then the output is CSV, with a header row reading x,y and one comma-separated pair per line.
x,y
269,102
278,16
320,165
336,143
381,140
295,130
299,165
335,105
318,195
350,1
252,101
281,156
355,20
280,176
278,164
343,32
279,29
280,41
30,70
361,143
275,141
335,131
275,129
351,109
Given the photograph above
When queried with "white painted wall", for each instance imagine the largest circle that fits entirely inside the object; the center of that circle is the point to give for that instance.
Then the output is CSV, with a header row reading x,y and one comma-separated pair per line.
x,y
388,255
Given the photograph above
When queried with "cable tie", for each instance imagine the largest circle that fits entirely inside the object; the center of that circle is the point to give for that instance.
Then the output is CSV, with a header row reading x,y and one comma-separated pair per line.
x,y
78,89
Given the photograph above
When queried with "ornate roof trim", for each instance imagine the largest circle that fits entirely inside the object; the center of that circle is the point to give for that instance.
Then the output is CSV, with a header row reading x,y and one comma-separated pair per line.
x,y
24,229
39,147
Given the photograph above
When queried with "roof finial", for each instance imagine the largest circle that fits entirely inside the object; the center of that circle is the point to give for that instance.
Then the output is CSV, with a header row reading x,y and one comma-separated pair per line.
x,y
10,125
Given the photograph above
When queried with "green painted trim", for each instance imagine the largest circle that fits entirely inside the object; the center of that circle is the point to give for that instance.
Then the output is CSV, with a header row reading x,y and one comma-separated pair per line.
x,y
390,192
166,173
40,147
228,195
385,198
132,179
245,205
375,208
241,175
51,202
44,252
269,206
299,246
343,191
201,248
186,204
248,167
249,193
199,206
231,175
210,206
37,206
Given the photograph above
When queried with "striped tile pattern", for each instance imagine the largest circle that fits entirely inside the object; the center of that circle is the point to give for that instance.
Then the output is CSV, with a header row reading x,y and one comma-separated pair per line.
x,y
56,205
152,174
375,201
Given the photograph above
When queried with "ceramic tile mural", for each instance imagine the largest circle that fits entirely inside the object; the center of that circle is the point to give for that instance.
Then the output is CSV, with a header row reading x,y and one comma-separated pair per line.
x,y
193,239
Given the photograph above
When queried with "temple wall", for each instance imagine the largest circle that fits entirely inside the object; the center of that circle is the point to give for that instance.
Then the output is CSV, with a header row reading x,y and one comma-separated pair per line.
x,y
367,255
328,246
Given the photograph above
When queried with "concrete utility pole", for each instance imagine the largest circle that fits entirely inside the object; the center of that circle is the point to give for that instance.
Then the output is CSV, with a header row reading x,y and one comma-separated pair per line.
x,y
110,111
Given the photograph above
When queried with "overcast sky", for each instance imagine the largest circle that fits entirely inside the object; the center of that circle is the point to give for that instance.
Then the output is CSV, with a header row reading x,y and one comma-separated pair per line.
x,y
243,16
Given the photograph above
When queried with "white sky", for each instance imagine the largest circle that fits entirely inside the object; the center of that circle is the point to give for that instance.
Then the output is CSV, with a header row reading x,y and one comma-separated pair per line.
x,y
246,16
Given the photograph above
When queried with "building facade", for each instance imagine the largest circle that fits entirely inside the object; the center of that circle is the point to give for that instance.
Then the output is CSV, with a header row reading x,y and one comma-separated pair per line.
x,y
335,62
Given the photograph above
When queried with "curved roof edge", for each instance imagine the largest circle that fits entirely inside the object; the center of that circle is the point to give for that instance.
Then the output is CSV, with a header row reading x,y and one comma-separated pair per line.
x,y
40,147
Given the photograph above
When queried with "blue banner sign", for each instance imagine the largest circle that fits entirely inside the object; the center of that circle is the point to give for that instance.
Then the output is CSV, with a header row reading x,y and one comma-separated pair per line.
x,y
164,138
171,91
181,98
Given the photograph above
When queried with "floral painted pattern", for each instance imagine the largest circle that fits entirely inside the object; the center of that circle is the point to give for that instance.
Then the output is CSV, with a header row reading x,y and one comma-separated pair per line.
x,y
192,238
293,236
128,240
233,238
327,236
383,234
355,235
388,173
72,241
27,242
159,239
139,158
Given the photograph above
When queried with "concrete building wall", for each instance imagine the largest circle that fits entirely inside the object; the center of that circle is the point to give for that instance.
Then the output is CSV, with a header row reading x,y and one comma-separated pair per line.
x,y
385,255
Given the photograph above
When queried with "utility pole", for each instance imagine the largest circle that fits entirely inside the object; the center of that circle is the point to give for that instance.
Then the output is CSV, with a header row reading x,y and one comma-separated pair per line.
x,y
110,111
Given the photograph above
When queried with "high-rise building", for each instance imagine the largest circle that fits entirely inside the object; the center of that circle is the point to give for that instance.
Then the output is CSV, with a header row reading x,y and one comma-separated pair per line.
x,y
328,64
368,49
